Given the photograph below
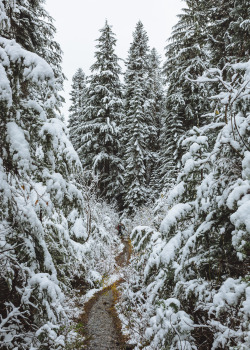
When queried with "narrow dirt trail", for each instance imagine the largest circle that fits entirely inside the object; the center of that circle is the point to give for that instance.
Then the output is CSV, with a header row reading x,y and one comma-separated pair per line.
x,y
102,323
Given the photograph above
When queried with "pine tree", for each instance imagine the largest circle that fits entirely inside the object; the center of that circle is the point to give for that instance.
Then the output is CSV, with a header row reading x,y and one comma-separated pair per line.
x,y
78,98
32,27
138,125
99,149
237,43
228,37
157,111
187,59
191,278
227,30
38,195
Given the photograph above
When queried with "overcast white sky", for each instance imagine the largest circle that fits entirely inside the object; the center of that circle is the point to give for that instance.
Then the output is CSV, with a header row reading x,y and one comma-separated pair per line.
x,y
78,23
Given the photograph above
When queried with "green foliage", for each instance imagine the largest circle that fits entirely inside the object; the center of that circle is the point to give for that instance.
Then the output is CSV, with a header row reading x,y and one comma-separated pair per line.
x,y
143,107
98,145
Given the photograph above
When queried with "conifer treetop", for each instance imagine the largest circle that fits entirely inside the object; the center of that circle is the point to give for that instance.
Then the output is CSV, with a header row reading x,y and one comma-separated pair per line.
x,y
138,50
106,59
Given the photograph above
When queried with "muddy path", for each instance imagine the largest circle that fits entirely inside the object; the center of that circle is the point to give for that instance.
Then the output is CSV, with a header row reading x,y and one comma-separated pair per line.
x,y
100,319
123,258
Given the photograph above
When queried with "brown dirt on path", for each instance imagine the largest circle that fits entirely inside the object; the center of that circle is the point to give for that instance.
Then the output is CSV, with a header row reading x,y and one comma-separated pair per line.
x,y
100,319
123,258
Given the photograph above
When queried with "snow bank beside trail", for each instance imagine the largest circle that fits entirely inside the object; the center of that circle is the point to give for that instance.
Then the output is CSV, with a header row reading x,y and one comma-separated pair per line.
x,y
112,279
84,299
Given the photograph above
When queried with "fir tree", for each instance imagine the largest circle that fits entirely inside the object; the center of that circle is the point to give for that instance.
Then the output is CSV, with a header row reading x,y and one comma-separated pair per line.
x,y
78,98
191,278
157,111
99,148
237,42
138,125
38,194
227,30
32,27
187,58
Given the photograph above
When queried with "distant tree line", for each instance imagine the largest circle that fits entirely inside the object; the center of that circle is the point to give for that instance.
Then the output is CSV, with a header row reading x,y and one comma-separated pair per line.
x,y
114,126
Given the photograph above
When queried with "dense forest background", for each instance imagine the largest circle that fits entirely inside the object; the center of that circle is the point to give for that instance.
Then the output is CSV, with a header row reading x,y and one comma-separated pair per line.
x,y
165,149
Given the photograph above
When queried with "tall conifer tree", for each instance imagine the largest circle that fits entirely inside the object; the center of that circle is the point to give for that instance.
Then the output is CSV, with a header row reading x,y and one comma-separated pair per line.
x,y
78,102
99,149
157,111
37,197
32,27
195,266
138,124
187,58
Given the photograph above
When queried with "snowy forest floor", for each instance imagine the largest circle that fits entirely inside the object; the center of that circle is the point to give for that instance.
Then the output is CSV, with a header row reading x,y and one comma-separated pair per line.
x,y
99,323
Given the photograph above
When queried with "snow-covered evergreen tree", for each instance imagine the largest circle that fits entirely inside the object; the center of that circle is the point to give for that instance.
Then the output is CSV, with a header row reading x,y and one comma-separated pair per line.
x,y
227,30
157,111
99,150
78,102
37,242
189,286
237,43
32,27
43,210
138,125
186,102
